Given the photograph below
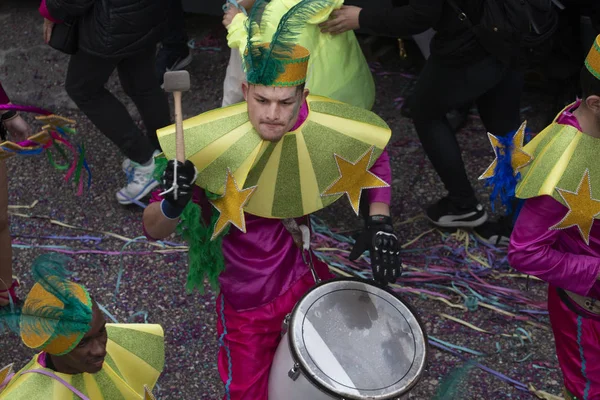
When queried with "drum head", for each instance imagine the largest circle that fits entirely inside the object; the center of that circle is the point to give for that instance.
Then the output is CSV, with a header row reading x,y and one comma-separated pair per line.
x,y
355,340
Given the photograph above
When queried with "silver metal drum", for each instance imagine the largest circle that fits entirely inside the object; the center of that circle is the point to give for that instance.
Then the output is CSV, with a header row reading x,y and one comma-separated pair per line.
x,y
348,339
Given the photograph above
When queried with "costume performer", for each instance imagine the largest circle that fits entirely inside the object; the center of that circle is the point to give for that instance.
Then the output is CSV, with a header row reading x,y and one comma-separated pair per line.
x,y
54,131
265,165
337,67
556,236
81,356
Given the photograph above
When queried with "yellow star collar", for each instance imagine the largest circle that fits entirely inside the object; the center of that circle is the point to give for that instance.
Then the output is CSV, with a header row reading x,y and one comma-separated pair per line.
x,y
354,177
231,206
583,208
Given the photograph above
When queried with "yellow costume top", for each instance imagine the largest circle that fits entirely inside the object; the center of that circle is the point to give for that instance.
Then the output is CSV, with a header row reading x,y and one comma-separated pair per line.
x,y
290,177
135,359
337,68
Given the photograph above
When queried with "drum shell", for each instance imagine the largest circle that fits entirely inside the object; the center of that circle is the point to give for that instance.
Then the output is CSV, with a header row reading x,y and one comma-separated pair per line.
x,y
282,387
306,385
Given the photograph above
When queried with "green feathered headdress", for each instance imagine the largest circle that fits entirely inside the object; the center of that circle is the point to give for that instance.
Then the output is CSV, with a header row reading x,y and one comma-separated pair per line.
x,y
280,62
56,314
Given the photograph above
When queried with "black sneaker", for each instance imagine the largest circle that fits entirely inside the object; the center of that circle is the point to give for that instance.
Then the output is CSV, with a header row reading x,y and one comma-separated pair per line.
x,y
447,214
170,61
495,233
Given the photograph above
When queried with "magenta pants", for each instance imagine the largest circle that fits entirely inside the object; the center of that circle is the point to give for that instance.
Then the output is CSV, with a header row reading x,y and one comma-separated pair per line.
x,y
249,339
578,348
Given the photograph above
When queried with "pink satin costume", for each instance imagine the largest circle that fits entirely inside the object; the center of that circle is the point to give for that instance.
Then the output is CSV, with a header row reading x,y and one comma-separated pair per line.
x,y
263,280
561,258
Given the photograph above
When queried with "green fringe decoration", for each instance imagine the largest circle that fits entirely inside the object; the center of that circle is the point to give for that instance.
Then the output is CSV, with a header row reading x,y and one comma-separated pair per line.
x,y
449,386
160,165
49,271
265,64
205,257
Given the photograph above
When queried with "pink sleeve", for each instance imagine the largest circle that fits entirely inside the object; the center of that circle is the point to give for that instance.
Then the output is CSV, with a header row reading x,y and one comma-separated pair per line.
x,y
3,96
382,169
532,250
46,14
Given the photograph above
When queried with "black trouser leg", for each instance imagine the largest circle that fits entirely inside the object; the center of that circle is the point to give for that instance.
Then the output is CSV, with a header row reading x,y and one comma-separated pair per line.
x,y
139,82
176,38
442,88
86,77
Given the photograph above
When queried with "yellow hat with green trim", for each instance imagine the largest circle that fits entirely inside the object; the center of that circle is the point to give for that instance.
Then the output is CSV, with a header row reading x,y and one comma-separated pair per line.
x,y
287,72
56,314
44,326
592,61
281,61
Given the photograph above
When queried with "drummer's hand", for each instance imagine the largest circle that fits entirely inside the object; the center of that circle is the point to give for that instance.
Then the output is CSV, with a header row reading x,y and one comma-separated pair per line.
x,y
186,176
383,246
18,129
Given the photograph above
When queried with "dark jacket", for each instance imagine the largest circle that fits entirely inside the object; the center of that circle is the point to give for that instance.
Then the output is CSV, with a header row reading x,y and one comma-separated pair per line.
x,y
114,28
453,43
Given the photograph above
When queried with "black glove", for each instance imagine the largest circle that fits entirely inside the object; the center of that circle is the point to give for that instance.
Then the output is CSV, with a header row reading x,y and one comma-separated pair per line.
x,y
384,249
186,176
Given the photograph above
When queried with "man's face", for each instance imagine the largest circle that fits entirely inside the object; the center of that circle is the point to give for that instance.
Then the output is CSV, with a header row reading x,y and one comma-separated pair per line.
x,y
88,355
273,111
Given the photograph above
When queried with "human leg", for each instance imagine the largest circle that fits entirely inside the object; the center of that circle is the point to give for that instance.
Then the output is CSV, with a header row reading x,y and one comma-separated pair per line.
x,y
174,53
139,83
577,341
441,88
500,113
86,77
248,341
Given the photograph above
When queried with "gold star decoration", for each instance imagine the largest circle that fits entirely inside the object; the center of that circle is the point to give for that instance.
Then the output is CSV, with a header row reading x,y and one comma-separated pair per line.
x,y
582,208
520,158
231,206
354,177
148,394
5,373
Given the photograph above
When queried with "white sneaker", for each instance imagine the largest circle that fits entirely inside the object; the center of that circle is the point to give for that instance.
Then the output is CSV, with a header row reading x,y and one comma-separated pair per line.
x,y
140,182
127,163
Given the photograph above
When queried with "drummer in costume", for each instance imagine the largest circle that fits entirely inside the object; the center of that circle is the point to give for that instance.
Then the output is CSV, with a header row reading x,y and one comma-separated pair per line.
x,y
80,355
556,236
265,165
328,53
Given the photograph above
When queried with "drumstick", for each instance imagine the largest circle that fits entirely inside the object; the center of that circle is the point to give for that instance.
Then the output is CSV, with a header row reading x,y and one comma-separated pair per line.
x,y
177,82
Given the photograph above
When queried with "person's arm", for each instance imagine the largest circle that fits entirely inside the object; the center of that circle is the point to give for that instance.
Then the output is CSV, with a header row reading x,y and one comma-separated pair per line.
x,y
380,198
378,235
156,225
531,248
235,23
414,18
161,217
16,126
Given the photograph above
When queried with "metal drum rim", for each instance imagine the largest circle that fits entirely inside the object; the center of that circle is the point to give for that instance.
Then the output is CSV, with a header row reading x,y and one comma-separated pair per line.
x,y
304,368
